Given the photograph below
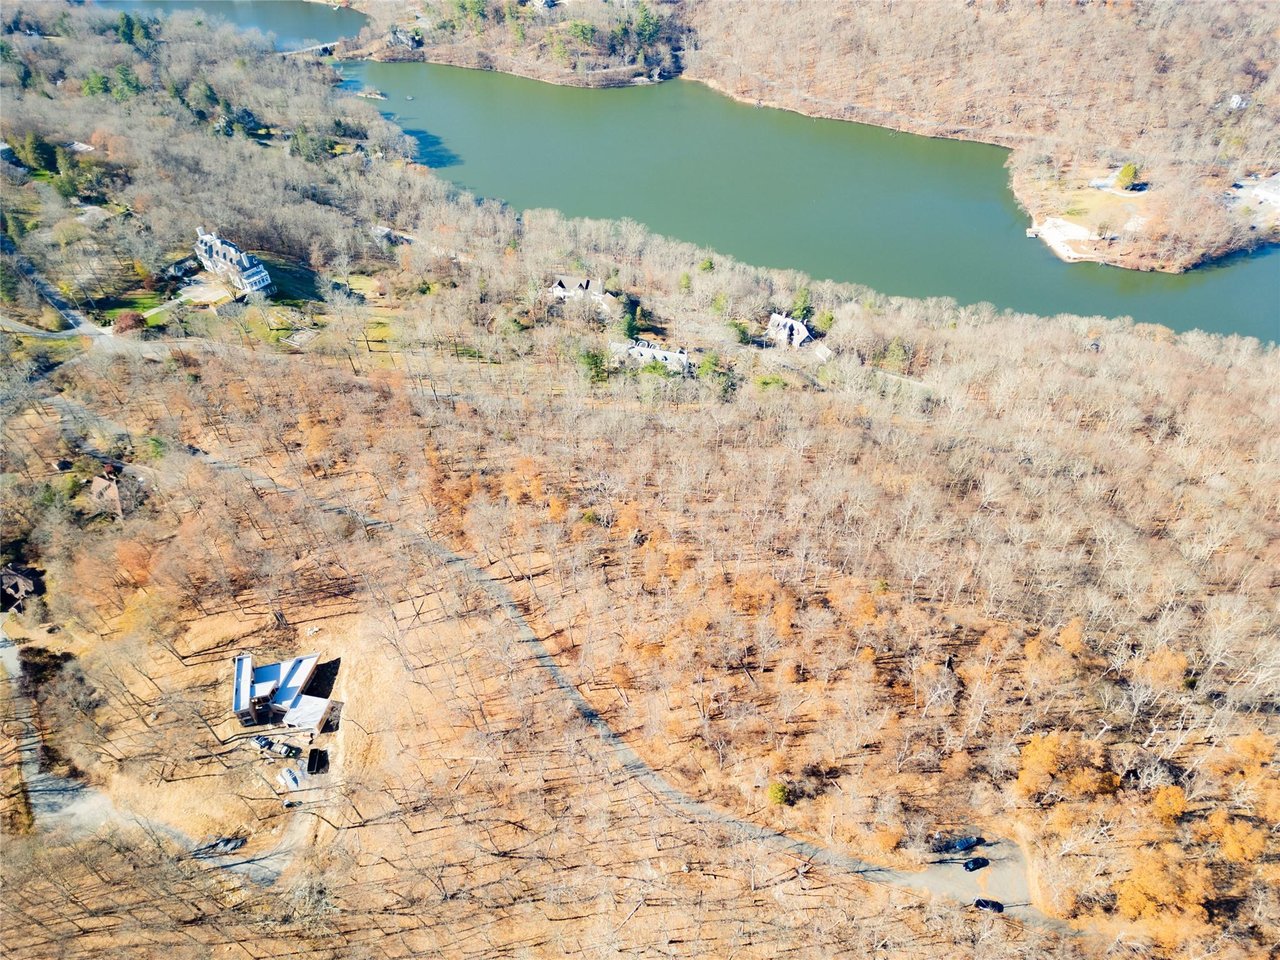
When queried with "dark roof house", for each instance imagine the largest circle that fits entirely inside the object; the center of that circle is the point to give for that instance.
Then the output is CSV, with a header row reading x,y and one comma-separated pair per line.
x,y
16,585
104,493
565,288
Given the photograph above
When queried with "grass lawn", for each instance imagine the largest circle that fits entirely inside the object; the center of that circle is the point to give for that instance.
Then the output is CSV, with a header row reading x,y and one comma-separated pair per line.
x,y
363,285
42,316
295,284
57,351
1098,211
270,325
139,299
377,329
23,202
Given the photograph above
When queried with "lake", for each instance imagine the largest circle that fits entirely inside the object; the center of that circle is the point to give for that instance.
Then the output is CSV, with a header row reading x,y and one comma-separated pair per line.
x,y
294,23
902,214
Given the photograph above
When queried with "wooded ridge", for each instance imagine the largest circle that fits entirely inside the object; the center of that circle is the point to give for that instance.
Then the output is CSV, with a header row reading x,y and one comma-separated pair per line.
x,y
957,571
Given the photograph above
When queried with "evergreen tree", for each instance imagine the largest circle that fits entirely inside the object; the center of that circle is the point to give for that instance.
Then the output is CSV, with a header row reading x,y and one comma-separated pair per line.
x,y
126,83
140,35
801,309
124,27
64,161
14,228
8,282
647,27
35,152
96,83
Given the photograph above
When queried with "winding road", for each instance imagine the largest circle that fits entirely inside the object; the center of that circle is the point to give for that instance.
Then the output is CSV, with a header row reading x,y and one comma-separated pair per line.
x,y
1005,880
80,324
14,326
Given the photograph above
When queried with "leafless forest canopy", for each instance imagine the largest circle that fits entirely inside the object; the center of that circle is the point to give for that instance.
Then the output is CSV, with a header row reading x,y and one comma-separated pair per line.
x,y
1147,81
1187,92
969,572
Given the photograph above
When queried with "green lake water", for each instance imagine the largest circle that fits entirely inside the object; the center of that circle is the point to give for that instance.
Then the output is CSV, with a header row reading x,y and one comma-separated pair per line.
x,y
904,215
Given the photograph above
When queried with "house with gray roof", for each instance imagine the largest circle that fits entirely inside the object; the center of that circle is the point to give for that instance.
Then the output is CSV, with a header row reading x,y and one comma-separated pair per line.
x,y
785,331
567,288
642,351
241,270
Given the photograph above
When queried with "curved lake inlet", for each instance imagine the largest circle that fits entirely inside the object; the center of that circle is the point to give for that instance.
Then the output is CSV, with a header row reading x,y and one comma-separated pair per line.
x,y
901,214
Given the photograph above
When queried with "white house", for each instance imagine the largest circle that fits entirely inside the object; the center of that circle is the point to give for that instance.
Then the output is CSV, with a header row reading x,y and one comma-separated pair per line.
x,y
783,331
242,270
274,692
642,351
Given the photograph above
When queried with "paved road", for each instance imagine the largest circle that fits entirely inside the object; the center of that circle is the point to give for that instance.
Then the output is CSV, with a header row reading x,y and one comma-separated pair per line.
x,y
79,322
310,49
13,326
1005,880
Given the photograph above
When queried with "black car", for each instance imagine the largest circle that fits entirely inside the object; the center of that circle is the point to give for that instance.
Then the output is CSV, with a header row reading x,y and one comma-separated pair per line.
x,y
995,906
977,863
955,844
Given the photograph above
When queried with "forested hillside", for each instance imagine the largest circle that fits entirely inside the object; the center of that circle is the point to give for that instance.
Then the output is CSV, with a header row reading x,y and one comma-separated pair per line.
x,y
1185,92
581,42
631,662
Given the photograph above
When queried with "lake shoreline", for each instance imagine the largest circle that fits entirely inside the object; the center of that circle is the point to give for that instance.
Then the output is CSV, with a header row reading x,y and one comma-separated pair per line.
x,y
1133,251
847,202
470,57
1131,258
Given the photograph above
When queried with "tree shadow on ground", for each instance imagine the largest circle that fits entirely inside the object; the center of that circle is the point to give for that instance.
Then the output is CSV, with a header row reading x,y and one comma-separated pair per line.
x,y
295,284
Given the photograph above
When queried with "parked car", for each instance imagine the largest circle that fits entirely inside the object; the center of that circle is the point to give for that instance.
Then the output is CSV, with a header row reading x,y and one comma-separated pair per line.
x,y
960,844
995,906
976,863
940,843
280,749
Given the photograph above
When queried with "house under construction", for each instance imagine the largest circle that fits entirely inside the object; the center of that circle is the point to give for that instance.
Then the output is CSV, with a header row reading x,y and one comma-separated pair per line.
x,y
274,693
